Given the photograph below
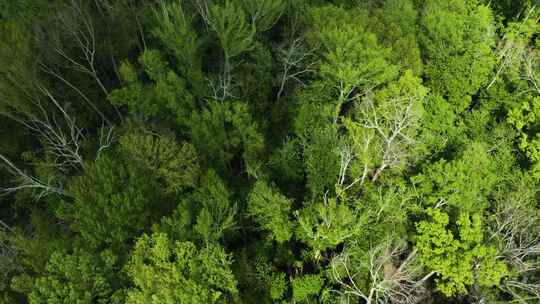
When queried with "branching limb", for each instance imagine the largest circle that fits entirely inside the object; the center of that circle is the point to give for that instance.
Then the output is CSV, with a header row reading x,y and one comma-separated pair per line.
x,y
79,27
295,63
391,280
26,181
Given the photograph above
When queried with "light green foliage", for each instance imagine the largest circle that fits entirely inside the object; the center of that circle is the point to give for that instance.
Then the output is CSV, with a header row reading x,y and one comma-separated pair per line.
x,y
440,126
350,58
173,163
278,286
463,183
229,23
452,242
325,225
395,24
526,117
458,37
459,258
306,287
176,32
271,210
166,271
217,213
132,93
80,277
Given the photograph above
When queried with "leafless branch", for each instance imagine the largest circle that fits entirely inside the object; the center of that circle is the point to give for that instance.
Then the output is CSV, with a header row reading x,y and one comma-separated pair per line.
x,y
78,25
295,63
26,181
515,229
106,139
511,50
392,129
391,280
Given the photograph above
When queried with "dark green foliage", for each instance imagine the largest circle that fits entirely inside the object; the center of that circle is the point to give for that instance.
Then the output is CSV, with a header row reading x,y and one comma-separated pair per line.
x,y
112,203
269,151
73,278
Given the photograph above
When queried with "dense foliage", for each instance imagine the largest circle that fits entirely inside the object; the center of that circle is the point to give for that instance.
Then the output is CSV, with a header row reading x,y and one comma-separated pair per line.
x,y
269,151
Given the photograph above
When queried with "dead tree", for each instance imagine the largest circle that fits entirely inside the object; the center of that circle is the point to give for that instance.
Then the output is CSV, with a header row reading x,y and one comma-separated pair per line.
x,y
295,62
513,50
394,138
235,35
385,276
61,138
515,228
77,24
392,123
23,180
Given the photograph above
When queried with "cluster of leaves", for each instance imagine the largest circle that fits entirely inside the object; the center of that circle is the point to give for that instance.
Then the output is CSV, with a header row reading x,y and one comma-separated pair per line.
x,y
269,151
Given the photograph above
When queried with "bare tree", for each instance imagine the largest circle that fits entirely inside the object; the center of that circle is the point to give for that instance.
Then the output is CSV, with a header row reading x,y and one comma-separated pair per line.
x,y
387,277
515,228
62,137
357,151
393,123
78,26
295,62
8,253
70,84
24,180
346,156
531,67
513,50
381,132
106,138
62,140
235,35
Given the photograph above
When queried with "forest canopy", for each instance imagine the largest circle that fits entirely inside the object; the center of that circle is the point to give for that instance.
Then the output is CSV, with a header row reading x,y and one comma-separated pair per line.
x,y
269,151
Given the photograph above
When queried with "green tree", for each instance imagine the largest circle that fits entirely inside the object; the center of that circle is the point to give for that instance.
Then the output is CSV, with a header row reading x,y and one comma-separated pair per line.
x,y
455,35
80,277
350,59
325,225
167,271
306,287
271,210
460,259
112,203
